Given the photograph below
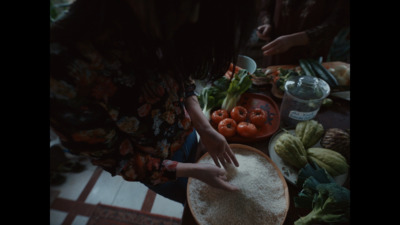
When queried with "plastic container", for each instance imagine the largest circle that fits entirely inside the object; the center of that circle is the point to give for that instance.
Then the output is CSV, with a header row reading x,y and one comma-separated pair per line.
x,y
302,99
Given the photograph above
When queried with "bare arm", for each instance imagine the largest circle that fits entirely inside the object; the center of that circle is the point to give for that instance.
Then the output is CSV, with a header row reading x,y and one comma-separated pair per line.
x,y
285,42
214,142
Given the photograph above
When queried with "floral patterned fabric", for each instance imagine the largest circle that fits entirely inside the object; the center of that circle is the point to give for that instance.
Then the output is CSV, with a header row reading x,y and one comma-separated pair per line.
x,y
99,108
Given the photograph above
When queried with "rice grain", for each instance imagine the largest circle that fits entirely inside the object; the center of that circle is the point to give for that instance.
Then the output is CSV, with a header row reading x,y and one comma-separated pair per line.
x,y
261,199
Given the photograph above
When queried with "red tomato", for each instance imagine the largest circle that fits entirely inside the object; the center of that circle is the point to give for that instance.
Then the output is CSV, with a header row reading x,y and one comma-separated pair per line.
x,y
258,117
219,115
227,127
239,113
246,129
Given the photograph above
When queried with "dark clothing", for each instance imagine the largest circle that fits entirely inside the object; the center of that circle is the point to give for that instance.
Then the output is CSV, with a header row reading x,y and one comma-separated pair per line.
x,y
321,19
128,122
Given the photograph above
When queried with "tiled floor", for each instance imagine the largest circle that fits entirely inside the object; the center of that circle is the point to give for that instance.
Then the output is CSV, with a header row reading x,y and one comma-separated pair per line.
x,y
73,201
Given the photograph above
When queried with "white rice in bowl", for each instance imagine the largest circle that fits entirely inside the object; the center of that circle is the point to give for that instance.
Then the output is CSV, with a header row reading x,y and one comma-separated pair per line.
x,y
263,197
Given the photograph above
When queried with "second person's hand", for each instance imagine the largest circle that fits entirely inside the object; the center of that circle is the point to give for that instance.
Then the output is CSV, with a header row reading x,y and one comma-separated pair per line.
x,y
279,45
284,43
263,32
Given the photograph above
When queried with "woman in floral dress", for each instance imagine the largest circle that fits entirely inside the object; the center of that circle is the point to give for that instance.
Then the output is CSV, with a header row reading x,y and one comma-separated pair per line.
x,y
122,88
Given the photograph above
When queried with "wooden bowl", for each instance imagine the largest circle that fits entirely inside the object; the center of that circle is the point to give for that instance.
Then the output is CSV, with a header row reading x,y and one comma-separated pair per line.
x,y
235,148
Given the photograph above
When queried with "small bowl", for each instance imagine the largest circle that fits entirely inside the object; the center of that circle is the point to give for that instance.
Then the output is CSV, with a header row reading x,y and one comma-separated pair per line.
x,y
246,63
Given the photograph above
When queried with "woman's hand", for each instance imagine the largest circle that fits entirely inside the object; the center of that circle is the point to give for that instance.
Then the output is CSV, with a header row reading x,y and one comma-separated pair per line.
x,y
214,142
264,31
284,43
218,148
207,173
279,45
213,176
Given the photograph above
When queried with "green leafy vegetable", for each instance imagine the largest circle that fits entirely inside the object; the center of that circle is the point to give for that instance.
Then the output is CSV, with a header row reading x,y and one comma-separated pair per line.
x,y
222,84
224,93
309,177
328,201
239,84
327,102
284,75
312,169
211,97
330,205
259,73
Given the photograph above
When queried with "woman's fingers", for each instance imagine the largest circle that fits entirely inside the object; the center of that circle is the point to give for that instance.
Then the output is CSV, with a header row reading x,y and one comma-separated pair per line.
x,y
263,32
222,174
223,181
216,161
223,177
266,31
272,50
222,160
228,186
269,45
277,46
227,158
232,156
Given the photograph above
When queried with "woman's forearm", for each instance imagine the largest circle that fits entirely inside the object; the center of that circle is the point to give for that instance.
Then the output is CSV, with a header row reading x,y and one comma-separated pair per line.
x,y
214,142
184,169
300,38
199,120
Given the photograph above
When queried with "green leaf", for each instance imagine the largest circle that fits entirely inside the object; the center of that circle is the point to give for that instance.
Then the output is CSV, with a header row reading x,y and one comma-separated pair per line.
x,y
222,83
309,177
239,84
312,169
53,11
259,73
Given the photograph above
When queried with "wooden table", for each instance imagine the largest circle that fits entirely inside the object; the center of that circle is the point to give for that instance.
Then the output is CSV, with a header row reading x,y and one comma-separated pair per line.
x,y
337,115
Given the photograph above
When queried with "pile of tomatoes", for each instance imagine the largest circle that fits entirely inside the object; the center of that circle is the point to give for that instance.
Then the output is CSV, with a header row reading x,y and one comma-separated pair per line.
x,y
239,121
